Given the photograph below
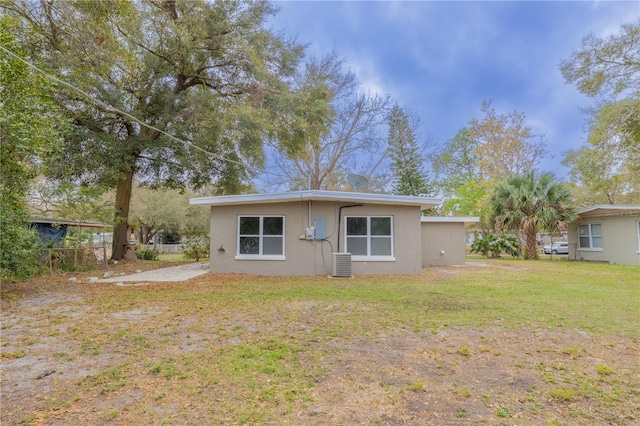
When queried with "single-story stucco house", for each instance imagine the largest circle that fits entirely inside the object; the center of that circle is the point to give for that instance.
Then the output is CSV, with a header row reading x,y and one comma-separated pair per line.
x,y
328,233
607,233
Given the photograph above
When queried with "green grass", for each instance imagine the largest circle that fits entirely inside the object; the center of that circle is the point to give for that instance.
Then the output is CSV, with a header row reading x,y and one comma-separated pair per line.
x,y
417,386
605,370
465,351
260,345
108,380
562,393
549,295
14,355
597,298
172,257
178,257
504,412
465,392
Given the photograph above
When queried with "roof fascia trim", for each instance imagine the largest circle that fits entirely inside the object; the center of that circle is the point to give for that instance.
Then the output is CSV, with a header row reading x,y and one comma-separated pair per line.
x,y
449,219
423,202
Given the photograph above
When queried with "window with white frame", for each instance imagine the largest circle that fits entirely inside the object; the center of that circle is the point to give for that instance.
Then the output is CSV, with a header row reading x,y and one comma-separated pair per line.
x,y
638,229
590,236
370,236
261,236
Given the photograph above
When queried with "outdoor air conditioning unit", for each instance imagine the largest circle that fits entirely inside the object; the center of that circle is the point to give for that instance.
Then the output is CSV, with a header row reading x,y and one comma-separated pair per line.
x,y
342,264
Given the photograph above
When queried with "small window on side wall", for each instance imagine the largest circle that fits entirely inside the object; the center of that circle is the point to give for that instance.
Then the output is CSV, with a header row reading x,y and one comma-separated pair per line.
x,y
590,236
260,236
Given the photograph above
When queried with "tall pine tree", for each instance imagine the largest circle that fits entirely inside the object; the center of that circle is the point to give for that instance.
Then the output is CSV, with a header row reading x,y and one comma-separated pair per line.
x,y
409,177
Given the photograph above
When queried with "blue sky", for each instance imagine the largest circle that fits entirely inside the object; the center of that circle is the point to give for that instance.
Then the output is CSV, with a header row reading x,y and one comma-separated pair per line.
x,y
441,59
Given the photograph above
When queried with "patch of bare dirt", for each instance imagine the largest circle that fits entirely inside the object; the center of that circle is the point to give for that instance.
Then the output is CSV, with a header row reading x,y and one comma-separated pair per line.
x,y
54,353
467,377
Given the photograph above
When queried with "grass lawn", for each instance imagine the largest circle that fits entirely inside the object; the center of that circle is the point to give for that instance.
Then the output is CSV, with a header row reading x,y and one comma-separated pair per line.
x,y
495,342
178,257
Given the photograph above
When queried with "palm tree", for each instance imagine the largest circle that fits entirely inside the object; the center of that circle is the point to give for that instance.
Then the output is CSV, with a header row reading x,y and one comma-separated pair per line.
x,y
527,204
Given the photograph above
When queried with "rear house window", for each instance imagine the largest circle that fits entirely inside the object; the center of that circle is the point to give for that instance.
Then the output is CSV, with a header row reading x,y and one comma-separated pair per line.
x,y
261,237
369,236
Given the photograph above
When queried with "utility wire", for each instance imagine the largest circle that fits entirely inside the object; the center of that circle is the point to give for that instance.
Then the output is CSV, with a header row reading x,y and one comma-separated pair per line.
x,y
114,109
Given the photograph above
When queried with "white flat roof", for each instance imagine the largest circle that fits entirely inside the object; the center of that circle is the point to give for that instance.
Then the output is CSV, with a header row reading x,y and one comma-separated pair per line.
x,y
611,209
450,219
317,195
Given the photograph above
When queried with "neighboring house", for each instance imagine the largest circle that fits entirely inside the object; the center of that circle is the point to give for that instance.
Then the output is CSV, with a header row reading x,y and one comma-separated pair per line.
x,y
309,233
53,230
608,233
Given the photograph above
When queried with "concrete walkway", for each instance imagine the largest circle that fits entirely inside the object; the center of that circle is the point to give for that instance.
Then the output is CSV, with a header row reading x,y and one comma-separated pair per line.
x,y
174,273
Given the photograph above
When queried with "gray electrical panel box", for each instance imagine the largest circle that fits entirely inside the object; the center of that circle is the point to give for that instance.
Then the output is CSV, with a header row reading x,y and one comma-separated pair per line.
x,y
321,229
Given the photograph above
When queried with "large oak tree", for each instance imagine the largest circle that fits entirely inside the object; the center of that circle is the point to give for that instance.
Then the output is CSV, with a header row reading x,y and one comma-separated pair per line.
x,y
166,92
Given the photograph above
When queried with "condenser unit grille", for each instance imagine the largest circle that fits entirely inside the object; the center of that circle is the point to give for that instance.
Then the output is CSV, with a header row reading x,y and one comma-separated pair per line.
x,y
342,264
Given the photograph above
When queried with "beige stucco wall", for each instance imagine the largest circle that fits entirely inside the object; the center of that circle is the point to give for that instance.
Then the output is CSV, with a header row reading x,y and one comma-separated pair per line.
x,y
443,243
619,240
314,257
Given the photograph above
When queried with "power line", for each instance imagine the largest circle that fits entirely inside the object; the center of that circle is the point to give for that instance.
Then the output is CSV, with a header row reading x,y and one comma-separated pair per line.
x,y
114,109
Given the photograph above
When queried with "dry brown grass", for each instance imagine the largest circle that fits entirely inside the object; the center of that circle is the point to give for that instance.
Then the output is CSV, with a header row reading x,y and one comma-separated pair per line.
x,y
448,347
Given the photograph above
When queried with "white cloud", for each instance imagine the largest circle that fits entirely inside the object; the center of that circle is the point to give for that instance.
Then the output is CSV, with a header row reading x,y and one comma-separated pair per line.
x,y
369,76
442,59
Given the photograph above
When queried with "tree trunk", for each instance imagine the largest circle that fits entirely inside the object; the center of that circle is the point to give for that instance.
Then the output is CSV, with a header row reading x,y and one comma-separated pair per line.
x,y
531,244
121,247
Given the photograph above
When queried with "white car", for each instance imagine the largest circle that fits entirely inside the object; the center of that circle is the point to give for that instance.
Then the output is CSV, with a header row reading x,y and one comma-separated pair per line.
x,y
556,248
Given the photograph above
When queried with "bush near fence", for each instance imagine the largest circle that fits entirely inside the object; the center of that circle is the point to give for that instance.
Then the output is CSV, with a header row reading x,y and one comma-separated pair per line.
x,y
72,259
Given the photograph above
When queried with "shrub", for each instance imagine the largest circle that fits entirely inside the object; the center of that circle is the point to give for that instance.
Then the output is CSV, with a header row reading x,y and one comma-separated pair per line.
x,y
19,253
196,247
493,246
170,236
147,253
